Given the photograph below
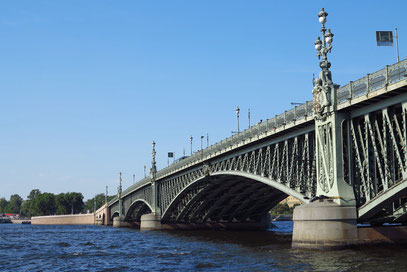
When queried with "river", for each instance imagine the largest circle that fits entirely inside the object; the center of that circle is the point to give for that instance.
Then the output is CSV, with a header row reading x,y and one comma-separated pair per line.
x,y
98,248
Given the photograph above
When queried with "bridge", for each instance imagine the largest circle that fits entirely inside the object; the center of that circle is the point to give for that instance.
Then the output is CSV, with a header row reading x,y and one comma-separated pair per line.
x,y
344,150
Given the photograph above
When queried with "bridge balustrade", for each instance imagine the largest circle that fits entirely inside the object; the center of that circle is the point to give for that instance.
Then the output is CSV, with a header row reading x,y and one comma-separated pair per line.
x,y
371,82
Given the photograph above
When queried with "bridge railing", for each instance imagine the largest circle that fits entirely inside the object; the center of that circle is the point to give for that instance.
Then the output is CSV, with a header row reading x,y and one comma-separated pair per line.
x,y
297,113
389,75
371,82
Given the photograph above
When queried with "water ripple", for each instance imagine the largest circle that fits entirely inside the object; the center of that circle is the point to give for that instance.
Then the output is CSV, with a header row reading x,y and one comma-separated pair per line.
x,y
95,248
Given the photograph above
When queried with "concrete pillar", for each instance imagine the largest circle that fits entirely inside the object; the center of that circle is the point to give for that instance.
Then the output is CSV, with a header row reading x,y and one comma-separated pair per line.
x,y
107,216
118,222
324,224
150,221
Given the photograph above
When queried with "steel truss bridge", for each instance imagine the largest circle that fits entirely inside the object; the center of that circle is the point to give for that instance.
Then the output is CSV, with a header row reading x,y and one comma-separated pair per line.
x,y
242,177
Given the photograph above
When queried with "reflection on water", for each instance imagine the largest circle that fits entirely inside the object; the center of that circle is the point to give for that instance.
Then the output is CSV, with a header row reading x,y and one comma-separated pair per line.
x,y
96,248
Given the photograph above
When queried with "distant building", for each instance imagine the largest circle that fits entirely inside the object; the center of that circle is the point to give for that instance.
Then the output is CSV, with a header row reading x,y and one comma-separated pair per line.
x,y
291,201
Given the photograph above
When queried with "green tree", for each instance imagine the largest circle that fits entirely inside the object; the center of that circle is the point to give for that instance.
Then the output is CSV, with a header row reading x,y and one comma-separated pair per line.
x,y
33,194
76,202
90,203
25,208
63,205
44,204
3,205
31,206
67,203
14,204
281,209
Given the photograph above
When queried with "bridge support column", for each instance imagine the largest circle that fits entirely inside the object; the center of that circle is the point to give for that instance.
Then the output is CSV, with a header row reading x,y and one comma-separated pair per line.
x,y
324,224
119,222
151,221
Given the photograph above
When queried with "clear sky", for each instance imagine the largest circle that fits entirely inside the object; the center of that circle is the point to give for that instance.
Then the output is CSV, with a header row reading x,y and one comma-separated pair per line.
x,y
86,86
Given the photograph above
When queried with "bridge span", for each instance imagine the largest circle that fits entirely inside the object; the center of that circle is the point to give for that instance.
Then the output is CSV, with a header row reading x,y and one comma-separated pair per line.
x,y
343,154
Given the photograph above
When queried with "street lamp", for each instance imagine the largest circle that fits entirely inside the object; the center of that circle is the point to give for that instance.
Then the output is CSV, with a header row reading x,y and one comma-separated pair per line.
x,y
248,115
237,115
201,141
190,138
323,85
119,189
324,46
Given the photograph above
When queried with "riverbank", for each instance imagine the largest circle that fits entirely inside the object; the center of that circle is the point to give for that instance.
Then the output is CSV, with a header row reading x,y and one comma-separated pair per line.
x,y
68,219
20,221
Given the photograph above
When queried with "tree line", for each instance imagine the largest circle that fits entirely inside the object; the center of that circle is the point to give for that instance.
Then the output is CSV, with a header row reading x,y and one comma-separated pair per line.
x,y
38,203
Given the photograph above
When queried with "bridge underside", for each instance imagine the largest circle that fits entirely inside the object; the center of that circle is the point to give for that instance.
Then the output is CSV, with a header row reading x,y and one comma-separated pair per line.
x,y
223,199
135,212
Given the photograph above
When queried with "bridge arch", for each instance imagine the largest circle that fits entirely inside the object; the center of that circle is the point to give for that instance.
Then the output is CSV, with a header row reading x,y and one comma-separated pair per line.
x,y
227,196
115,214
136,209
275,184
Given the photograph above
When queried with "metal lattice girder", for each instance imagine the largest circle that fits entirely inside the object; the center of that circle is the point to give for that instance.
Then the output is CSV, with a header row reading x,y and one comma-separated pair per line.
x,y
281,154
379,144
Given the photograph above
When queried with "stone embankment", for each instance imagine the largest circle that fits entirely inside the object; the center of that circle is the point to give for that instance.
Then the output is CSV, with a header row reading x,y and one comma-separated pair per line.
x,y
69,219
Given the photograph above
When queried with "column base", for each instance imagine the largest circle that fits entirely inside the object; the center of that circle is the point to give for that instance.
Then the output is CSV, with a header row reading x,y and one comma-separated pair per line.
x,y
150,221
119,222
324,225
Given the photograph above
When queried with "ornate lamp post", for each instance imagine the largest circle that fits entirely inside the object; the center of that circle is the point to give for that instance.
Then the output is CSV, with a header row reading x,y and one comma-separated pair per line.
x,y
328,128
154,185
119,196
191,138
237,115
153,169
323,85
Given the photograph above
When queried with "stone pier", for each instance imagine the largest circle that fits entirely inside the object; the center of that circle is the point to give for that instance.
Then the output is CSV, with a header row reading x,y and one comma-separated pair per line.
x,y
150,221
324,225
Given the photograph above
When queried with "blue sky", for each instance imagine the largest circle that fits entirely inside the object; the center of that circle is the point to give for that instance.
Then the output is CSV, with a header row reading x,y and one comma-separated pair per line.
x,y
86,86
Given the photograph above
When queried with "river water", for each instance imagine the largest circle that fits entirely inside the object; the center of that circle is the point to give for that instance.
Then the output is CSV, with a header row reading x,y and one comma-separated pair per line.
x,y
98,248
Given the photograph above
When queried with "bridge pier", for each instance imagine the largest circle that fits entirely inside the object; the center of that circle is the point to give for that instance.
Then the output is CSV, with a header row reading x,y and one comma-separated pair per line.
x,y
119,222
324,225
151,221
